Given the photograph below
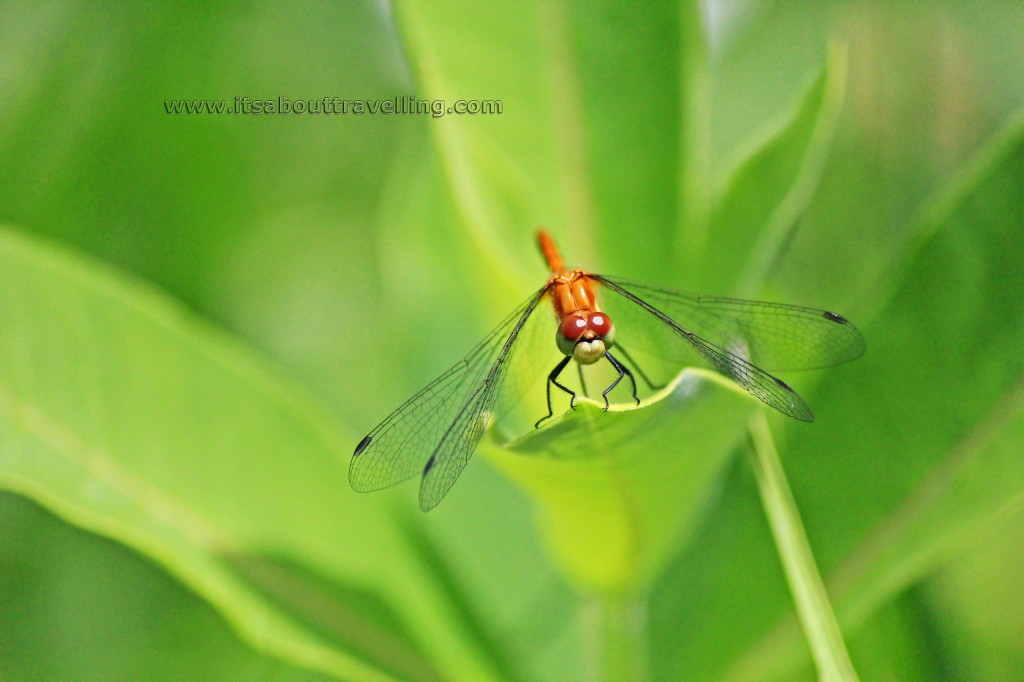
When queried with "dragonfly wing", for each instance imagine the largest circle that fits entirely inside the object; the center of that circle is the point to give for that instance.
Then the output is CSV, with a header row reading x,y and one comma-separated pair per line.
x,y
775,336
418,436
768,389
759,383
460,440
398,447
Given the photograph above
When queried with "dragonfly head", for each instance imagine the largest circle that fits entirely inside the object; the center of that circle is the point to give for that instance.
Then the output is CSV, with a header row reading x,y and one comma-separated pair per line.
x,y
585,336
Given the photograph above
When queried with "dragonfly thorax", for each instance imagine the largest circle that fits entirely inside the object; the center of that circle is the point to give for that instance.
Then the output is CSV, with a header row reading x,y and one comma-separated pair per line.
x,y
585,336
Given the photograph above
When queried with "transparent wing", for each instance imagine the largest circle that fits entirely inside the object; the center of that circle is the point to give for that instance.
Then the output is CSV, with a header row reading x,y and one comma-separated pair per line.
x,y
775,336
435,432
744,331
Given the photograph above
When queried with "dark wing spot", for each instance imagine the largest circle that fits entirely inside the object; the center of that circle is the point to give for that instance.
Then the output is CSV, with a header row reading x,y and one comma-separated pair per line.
x,y
362,446
430,463
782,383
835,317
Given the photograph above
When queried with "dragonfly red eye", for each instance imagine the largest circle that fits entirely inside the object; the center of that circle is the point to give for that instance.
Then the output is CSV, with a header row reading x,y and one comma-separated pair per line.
x,y
569,332
572,327
600,323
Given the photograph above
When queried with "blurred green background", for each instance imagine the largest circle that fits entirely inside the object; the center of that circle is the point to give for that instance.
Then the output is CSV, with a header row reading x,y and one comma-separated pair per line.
x,y
351,258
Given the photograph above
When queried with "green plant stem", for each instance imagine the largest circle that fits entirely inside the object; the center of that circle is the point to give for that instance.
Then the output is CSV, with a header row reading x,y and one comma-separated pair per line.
x,y
617,625
812,604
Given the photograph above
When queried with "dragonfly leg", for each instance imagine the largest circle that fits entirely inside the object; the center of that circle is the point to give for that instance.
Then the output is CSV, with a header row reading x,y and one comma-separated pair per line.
x,y
639,369
623,371
583,382
553,379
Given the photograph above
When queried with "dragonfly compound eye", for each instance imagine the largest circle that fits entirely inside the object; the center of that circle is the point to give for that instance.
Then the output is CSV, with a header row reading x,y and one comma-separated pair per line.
x,y
569,332
602,325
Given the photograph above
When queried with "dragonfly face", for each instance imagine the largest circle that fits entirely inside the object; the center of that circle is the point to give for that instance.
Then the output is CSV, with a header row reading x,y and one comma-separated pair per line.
x,y
585,336
435,432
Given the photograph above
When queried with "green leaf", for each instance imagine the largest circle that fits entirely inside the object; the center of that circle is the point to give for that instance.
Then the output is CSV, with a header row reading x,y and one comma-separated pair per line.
x,y
601,131
127,416
767,194
951,370
102,596
616,493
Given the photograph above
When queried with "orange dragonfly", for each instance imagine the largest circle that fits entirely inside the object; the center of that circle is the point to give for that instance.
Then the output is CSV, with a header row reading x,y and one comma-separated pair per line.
x,y
435,432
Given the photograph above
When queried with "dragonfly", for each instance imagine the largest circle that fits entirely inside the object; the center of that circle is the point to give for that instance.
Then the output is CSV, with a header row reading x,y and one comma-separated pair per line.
x,y
434,433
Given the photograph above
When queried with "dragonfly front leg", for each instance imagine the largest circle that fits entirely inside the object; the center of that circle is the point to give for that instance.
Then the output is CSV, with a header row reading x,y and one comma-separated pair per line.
x,y
553,379
623,371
